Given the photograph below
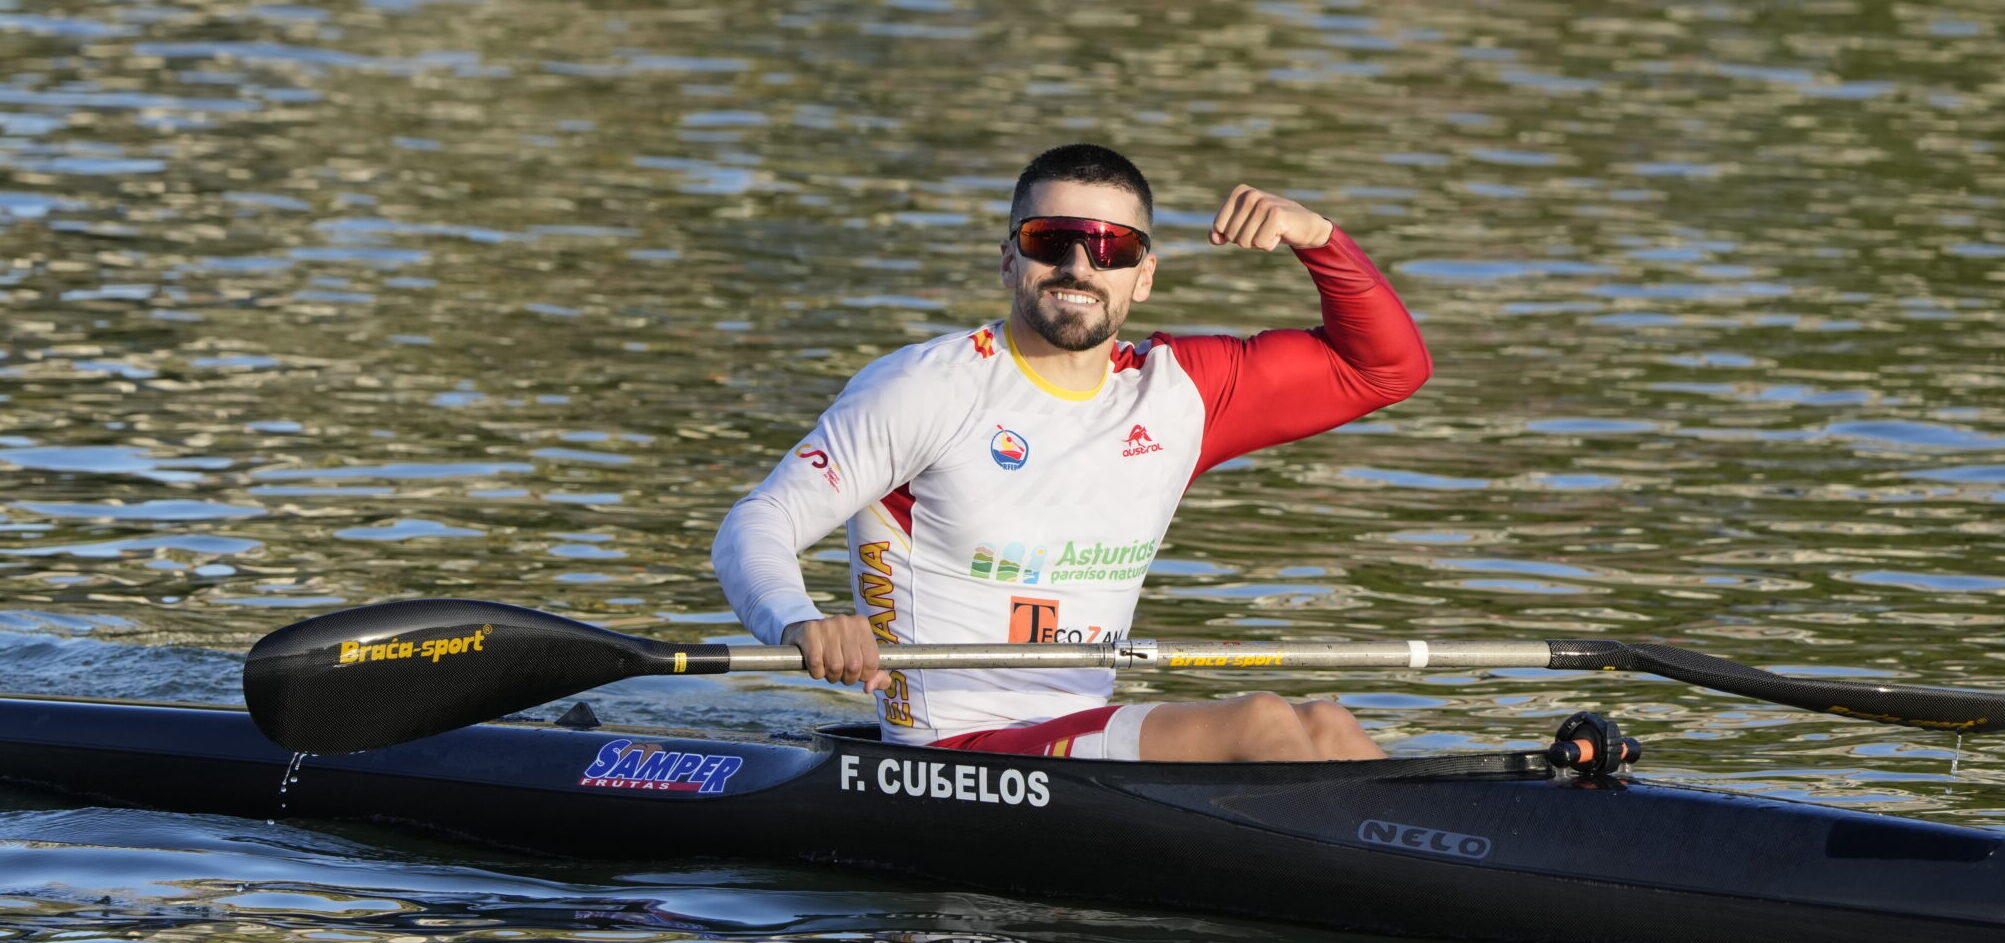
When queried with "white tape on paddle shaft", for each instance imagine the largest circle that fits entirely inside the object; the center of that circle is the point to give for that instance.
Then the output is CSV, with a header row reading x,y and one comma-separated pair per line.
x,y
1416,654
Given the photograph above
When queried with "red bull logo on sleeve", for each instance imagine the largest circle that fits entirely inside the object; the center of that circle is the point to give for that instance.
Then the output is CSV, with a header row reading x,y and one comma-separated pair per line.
x,y
1009,449
624,764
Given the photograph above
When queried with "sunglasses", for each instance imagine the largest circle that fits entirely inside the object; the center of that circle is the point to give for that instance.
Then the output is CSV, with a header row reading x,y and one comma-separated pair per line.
x,y
1049,239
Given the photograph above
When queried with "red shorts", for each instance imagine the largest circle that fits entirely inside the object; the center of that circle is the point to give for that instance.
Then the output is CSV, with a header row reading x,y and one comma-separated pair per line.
x,y
1113,732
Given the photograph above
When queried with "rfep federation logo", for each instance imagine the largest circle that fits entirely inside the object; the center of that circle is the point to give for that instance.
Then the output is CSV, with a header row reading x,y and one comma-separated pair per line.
x,y
1009,449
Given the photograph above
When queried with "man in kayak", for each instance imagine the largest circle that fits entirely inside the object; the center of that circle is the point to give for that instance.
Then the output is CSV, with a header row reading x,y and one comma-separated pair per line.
x,y
1011,483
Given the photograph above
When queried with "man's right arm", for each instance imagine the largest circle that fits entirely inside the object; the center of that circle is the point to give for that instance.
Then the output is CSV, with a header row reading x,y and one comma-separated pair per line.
x,y
876,437
757,557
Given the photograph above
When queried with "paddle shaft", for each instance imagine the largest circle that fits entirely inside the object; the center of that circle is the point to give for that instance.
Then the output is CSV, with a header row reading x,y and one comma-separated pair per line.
x,y
1143,653
1906,705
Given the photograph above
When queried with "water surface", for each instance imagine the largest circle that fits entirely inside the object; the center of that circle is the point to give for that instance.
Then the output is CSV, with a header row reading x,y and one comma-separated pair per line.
x,y
311,306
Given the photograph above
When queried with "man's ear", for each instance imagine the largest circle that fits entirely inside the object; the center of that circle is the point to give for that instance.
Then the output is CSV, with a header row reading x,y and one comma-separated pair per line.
x,y
1147,279
1008,263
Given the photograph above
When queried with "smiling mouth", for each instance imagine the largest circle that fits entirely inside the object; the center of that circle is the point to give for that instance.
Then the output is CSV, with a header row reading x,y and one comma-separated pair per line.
x,y
1074,297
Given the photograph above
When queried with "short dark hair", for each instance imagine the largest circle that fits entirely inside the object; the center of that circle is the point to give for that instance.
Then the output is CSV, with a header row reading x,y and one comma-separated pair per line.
x,y
1082,163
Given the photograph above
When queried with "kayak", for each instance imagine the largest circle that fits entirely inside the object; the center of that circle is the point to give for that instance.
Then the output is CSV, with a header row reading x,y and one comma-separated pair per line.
x,y
1499,846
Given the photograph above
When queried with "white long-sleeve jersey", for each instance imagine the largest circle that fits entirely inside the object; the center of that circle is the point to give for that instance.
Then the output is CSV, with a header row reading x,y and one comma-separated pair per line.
x,y
986,505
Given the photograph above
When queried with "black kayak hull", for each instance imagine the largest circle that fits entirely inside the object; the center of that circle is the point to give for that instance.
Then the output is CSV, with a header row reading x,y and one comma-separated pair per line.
x,y
1480,848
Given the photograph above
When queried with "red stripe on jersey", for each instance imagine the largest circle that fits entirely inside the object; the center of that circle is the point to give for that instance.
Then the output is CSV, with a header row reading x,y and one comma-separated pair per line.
x,y
899,503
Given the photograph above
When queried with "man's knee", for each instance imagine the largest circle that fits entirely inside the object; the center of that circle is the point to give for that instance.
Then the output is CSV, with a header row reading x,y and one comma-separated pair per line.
x,y
1336,732
1262,711
1269,728
1255,727
1321,718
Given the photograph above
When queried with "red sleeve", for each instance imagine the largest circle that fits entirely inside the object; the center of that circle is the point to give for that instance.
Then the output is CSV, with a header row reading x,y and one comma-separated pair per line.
x,y
1283,385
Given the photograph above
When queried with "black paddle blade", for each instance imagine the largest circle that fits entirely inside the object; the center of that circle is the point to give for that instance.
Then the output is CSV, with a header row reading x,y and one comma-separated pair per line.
x,y
377,675
1959,710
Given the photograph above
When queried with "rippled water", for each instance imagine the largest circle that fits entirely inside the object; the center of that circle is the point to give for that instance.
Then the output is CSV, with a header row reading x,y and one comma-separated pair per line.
x,y
315,306
117,872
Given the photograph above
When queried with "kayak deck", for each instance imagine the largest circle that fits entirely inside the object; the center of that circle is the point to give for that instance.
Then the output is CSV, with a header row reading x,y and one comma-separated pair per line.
x,y
1492,846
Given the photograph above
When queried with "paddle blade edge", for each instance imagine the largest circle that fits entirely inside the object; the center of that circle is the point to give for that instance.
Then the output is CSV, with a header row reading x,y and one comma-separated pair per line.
x,y
1956,710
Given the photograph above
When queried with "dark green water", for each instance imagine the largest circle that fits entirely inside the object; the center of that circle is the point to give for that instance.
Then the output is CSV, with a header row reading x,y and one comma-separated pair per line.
x,y
316,306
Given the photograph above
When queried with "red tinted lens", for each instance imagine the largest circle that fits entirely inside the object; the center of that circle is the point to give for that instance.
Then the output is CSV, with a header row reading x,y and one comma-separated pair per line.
x,y
1049,239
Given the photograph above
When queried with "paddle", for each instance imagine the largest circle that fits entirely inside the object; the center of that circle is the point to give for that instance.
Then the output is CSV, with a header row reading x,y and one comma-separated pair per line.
x,y
378,675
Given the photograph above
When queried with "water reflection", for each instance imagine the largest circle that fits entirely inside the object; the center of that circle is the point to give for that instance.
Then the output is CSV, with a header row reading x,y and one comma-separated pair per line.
x,y
126,871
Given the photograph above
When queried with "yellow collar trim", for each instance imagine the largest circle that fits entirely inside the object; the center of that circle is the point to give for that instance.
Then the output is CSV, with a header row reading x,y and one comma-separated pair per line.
x,y
1009,337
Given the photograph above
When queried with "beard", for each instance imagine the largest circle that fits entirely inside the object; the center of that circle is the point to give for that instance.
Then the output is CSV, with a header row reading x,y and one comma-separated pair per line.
x,y
1069,330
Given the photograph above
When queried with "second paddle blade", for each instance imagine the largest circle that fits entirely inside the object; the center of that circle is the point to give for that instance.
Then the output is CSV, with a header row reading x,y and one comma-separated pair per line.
x,y
377,675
